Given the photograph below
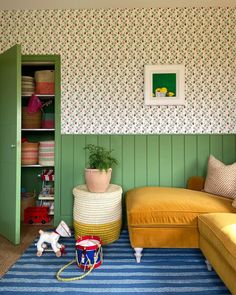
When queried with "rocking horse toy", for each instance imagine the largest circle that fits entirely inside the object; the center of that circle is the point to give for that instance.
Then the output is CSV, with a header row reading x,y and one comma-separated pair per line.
x,y
52,238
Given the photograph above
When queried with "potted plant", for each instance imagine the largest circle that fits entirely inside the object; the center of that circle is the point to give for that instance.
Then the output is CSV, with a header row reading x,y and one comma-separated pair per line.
x,y
98,174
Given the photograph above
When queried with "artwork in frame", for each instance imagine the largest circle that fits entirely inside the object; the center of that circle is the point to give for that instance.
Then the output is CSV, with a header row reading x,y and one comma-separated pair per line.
x,y
164,84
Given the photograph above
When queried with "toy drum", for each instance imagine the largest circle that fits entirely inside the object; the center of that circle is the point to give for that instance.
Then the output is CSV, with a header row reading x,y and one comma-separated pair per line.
x,y
89,252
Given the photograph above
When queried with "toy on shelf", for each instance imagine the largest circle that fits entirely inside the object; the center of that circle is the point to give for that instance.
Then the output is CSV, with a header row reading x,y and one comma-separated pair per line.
x,y
46,196
52,238
37,214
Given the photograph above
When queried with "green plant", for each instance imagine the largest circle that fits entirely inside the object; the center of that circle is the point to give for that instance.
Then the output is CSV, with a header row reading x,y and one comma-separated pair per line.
x,y
99,157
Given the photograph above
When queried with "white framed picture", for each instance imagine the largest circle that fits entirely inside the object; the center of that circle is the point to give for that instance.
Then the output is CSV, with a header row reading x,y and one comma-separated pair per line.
x,y
164,84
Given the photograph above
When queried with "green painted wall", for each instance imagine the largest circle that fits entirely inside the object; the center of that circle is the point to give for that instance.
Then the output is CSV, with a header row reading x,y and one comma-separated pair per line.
x,y
164,160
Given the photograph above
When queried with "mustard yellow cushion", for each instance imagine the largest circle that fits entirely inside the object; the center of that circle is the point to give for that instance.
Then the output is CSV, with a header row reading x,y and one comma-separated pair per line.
x,y
219,229
153,206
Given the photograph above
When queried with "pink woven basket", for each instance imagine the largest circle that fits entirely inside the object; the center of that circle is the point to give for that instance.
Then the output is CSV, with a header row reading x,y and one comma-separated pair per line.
x,y
29,153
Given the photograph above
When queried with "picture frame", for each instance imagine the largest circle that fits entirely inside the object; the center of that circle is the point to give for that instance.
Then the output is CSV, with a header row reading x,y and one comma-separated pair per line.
x,y
164,85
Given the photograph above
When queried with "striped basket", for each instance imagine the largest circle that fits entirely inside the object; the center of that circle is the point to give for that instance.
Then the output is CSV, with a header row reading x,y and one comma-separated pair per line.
x,y
46,153
98,214
45,82
31,120
29,153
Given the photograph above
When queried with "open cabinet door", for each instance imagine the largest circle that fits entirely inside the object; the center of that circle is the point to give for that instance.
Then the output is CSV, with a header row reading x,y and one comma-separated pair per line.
x,y
10,143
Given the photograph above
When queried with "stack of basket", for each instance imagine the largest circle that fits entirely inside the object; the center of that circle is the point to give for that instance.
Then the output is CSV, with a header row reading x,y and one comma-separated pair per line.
x,y
46,153
27,85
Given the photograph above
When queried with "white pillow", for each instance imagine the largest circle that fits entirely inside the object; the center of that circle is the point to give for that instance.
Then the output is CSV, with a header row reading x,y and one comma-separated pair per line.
x,y
221,178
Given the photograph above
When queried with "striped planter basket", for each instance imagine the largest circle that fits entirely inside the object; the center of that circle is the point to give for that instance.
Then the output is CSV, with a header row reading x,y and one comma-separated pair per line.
x,y
46,153
98,214
31,120
29,153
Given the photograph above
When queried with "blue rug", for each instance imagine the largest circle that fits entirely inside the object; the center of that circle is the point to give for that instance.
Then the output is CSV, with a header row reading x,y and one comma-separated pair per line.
x,y
161,271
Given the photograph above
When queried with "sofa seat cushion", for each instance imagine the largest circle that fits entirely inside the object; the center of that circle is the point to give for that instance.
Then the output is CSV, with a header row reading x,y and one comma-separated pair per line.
x,y
161,206
219,229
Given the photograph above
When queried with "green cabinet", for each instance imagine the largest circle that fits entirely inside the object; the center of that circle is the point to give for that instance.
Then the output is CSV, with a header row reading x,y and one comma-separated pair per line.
x,y
14,175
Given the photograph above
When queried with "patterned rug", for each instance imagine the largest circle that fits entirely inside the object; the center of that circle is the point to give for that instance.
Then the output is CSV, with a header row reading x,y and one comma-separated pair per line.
x,y
161,271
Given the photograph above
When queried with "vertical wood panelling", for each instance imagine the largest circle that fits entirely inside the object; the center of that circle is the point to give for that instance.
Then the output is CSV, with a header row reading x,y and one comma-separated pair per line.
x,y
128,162
178,175
79,159
190,156
153,175
140,161
229,148
104,140
116,146
67,174
203,151
165,160
216,146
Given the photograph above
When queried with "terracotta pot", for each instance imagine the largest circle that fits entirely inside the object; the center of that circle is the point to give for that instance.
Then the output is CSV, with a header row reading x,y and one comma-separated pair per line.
x,y
97,181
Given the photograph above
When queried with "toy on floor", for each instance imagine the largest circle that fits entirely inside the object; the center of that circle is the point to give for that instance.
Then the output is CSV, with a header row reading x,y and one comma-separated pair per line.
x,y
52,238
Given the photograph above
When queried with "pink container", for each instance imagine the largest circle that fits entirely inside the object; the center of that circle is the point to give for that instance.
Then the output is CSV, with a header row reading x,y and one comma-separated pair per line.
x,y
97,181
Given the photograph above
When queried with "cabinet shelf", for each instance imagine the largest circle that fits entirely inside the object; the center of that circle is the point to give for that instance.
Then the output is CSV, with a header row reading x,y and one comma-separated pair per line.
x,y
35,166
39,129
46,198
43,96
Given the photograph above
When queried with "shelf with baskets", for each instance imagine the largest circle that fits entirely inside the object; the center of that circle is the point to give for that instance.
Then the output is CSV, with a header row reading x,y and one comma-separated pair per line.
x,y
38,133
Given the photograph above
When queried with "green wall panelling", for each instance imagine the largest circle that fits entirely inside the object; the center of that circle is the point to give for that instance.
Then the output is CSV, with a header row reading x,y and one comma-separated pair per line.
x,y
178,169
203,150
216,146
190,156
79,159
140,160
152,151
67,175
117,152
229,148
166,160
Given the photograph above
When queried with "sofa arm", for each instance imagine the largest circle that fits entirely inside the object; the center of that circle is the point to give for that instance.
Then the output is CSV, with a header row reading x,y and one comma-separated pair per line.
x,y
196,183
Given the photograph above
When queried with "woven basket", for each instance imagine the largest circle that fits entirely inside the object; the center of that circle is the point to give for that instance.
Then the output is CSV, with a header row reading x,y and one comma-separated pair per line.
x,y
46,153
45,82
31,120
29,153
98,213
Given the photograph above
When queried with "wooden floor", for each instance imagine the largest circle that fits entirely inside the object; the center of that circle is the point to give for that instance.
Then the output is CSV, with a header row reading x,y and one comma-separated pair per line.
x,y
10,253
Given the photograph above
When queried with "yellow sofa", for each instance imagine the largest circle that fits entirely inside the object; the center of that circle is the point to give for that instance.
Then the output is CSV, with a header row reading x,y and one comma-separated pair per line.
x,y
218,244
168,217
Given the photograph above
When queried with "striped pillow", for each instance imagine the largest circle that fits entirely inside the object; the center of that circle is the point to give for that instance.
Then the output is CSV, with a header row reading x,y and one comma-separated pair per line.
x,y
221,178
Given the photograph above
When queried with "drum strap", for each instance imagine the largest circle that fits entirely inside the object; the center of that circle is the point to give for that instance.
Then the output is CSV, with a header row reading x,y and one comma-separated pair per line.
x,y
73,261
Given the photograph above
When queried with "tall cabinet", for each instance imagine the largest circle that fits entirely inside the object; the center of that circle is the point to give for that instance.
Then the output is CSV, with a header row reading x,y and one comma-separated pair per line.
x,y
15,175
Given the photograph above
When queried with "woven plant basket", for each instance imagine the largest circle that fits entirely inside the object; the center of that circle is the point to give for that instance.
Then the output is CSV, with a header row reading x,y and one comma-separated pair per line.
x,y
29,153
98,214
31,120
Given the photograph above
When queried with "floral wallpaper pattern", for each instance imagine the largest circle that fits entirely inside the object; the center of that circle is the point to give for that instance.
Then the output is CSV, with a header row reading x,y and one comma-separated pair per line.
x,y
103,54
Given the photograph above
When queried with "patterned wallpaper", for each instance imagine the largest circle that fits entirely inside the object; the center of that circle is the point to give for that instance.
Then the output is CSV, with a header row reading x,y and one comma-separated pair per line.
x,y
103,55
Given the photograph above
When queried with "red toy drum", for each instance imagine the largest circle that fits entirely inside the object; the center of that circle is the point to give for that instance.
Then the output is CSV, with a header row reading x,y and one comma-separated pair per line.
x,y
89,252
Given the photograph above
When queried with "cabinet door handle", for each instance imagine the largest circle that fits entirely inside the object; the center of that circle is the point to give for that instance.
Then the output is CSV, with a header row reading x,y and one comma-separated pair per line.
x,y
13,146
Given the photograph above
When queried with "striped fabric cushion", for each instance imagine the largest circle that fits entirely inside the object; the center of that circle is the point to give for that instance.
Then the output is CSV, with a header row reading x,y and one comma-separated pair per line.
x,y
221,178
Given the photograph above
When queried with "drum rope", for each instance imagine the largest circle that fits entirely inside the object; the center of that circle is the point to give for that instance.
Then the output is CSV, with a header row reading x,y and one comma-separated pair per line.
x,y
73,261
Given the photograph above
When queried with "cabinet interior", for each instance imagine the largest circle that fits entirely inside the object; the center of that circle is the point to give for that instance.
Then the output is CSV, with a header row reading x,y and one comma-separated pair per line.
x,y
31,174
